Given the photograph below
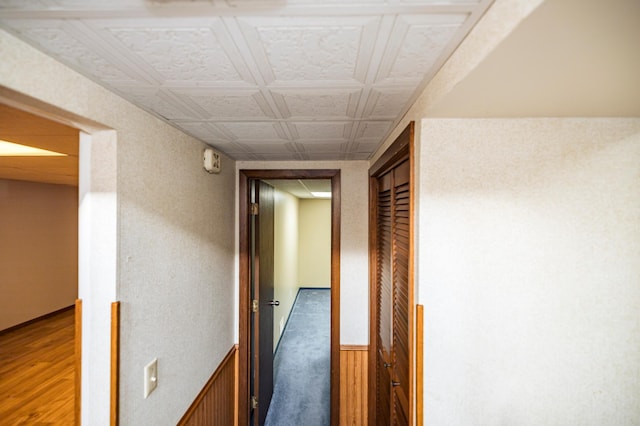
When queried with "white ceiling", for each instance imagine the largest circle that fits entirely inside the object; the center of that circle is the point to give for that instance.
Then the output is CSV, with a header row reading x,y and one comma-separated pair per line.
x,y
301,188
257,79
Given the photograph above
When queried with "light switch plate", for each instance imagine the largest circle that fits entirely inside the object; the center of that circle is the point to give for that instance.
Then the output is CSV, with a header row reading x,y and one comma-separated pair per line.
x,y
150,377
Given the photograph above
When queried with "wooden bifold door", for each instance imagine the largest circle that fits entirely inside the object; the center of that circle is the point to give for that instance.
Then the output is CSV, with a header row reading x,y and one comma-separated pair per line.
x,y
391,302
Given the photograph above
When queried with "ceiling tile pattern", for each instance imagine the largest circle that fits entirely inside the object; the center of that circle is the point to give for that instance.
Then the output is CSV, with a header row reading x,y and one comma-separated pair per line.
x,y
258,80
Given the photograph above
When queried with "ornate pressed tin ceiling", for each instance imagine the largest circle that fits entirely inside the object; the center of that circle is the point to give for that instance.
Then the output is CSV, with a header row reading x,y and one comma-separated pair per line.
x,y
258,80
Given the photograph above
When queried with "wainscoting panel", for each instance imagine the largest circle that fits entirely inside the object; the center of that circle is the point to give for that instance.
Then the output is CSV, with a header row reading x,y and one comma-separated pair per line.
x,y
353,385
216,404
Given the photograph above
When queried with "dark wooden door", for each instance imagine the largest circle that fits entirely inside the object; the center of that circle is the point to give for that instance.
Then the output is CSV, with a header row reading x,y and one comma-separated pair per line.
x,y
393,299
262,292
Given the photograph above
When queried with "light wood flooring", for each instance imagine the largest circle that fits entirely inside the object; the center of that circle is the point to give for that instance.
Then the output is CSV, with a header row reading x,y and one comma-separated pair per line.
x,y
37,372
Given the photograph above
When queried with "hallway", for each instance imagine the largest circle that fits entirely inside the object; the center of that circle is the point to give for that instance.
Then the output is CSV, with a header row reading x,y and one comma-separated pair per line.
x,y
527,145
302,363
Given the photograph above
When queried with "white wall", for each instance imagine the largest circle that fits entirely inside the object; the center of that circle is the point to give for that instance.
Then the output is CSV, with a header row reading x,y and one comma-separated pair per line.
x,y
354,246
38,249
529,246
175,247
314,261
286,208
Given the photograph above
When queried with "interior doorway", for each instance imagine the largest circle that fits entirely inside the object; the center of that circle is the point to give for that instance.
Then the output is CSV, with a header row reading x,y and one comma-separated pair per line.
x,y
302,291
251,186
97,230
39,264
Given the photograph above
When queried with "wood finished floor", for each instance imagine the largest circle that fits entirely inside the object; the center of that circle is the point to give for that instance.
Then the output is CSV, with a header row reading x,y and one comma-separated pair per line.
x,y
37,373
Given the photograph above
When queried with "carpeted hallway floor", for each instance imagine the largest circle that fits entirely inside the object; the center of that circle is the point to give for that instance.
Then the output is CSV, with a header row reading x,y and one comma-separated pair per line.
x,y
302,364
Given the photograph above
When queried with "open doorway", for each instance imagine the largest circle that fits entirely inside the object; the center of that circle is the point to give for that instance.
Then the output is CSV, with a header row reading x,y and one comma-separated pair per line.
x,y
38,268
251,278
302,289
95,347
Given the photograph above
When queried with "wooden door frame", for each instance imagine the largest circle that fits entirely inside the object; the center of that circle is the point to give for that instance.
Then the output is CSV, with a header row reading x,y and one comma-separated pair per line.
x,y
244,278
401,149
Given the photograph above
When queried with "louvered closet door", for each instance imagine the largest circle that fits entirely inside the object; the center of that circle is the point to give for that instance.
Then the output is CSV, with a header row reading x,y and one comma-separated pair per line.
x,y
392,270
400,253
384,300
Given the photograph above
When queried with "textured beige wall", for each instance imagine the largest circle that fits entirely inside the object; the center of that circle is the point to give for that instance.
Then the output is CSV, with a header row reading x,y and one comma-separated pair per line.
x,y
314,261
528,269
354,246
285,259
175,258
176,269
38,249
576,58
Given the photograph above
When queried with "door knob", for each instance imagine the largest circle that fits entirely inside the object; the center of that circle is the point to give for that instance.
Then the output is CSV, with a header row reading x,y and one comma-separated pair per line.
x,y
274,302
386,364
394,384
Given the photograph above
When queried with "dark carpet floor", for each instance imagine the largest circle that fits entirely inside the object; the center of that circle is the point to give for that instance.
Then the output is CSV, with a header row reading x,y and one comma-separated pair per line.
x,y
302,363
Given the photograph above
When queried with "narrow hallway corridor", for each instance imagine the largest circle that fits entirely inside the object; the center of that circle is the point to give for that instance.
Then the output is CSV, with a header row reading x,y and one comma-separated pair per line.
x,y
302,363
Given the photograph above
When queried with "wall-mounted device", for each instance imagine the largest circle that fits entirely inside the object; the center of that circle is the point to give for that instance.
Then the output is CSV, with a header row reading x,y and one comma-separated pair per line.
x,y
150,377
211,161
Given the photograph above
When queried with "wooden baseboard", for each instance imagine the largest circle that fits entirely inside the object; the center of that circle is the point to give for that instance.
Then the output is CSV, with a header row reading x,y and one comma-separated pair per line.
x,y
217,402
353,384
40,318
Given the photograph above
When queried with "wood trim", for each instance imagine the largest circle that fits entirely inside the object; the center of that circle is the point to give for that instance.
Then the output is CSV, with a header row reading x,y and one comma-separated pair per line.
x,y
216,403
78,361
245,318
419,365
115,363
398,151
236,384
353,384
244,302
373,302
354,347
411,273
335,299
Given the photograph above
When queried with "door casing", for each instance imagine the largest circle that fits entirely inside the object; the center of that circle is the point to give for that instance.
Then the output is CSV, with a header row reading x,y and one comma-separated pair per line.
x,y
244,350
